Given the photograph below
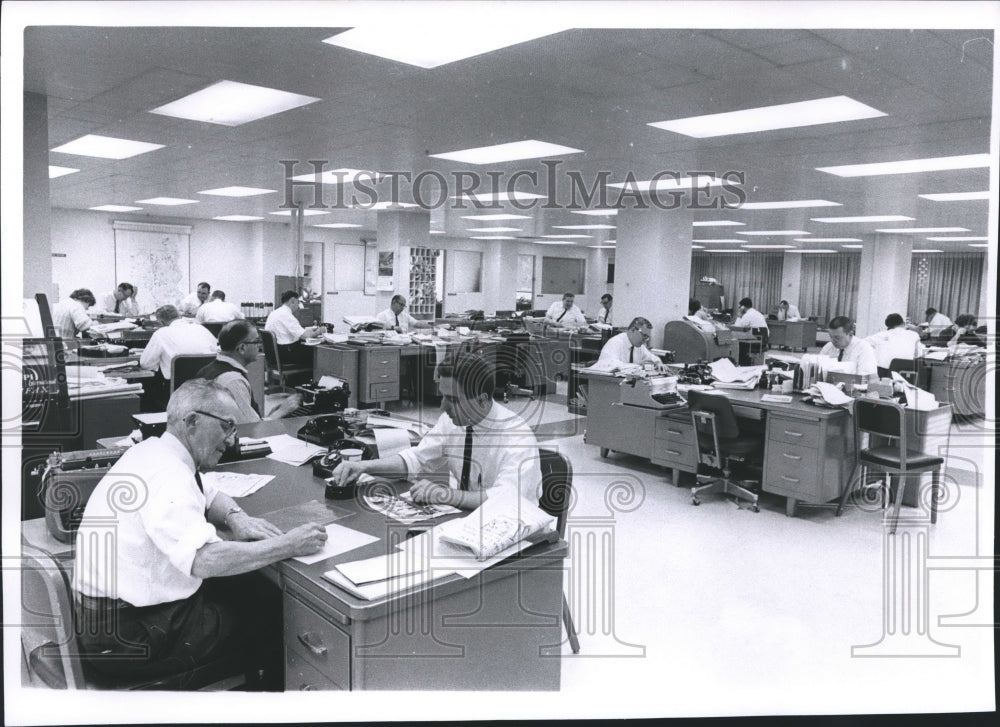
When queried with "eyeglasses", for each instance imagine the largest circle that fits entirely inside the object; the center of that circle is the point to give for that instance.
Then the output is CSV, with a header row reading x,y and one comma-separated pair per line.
x,y
645,336
228,425
254,342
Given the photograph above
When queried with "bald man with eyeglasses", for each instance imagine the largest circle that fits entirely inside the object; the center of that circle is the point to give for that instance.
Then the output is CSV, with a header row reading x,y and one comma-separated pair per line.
x,y
630,347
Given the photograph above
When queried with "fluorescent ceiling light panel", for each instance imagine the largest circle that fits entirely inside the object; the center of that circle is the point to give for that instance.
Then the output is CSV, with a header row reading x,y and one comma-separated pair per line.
x,y
864,218
498,217
958,239
800,250
487,197
955,196
305,213
712,242
510,152
977,244
436,44
853,247
669,183
384,206
928,250
767,118
115,208
238,218
720,249
566,237
718,223
229,103
553,242
237,191
495,237
57,171
909,166
770,233
339,176
583,227
828,239
106,147
337,225
917,230
596,213
492,229
166,201
437,232
769,247
697,247
788,204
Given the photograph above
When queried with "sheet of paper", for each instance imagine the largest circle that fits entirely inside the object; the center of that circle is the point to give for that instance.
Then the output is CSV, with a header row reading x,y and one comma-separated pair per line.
x,y
330,382
236,484
385,567
338,540
391,441
832,395
290,450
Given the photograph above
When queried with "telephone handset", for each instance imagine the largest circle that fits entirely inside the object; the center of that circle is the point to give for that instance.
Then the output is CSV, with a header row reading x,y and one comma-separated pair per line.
x,y
323,430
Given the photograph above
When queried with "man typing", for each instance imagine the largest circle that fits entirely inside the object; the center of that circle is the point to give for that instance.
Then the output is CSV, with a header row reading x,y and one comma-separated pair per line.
x,y
630,347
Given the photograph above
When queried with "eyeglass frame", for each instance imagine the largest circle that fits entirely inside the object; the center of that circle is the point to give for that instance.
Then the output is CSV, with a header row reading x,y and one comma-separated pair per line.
x,y
230,426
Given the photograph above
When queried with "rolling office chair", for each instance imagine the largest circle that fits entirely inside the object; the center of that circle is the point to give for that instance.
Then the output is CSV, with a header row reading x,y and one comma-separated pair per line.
x,y
275,368
883,419
556,498
185,366
720,443
213,328
920,376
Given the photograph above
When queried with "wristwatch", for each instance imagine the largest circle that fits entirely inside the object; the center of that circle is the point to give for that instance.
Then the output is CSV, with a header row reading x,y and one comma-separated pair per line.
x,y
232,511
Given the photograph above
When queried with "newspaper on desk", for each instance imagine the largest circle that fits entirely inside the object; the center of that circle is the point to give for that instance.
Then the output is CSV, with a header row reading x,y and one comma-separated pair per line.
x,y
402,508
728,376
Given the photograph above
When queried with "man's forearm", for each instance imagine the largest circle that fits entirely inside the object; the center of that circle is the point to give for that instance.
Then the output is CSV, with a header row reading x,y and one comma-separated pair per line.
x,y
230,558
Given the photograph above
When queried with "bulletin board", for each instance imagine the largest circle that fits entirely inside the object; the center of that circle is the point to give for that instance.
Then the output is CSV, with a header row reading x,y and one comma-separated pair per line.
x,y
156,258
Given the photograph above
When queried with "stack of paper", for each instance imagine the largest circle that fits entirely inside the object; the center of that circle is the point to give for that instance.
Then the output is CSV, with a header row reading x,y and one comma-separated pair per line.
x,y
236,484
728,376
291,450
830,394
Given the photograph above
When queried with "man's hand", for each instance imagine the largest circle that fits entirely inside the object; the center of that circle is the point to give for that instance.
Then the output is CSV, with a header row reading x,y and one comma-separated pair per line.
x,y
306,539
286,407
431,493
245,527
347,473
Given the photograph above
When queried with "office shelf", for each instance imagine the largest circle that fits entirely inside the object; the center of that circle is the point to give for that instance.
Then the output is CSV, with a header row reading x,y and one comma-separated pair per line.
x,y
423,281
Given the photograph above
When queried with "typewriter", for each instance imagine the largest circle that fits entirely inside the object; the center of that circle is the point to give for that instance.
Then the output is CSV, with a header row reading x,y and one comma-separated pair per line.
x,y
67,482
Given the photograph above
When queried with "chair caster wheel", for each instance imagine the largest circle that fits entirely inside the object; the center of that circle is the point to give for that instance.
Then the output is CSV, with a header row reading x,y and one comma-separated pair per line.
x,y
605,452
695,501
756,508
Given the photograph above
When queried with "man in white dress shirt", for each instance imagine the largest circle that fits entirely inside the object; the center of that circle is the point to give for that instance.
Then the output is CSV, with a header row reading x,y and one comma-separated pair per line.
x,y
121,301
750,317
935,322
217,310
69,316
604,314
895,342
395,318
153,581
289,333
565,314
506,451
190,303
176,336
630,347
788,312
845,346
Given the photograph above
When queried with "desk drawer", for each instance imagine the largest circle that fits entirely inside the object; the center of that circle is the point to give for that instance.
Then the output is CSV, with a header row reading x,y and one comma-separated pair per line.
x,y
793,431
300,677
311,639
671,430
792,468
383,366
383,392
673,453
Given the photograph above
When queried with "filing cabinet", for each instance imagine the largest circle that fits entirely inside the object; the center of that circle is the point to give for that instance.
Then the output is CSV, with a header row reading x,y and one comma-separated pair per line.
x,y
674,444
378,374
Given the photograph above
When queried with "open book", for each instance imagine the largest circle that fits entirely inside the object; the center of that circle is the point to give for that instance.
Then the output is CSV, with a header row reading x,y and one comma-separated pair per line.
x,y
493,528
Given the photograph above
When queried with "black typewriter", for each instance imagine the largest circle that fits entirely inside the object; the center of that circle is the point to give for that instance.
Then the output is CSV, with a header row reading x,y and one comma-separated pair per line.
x,y
671,398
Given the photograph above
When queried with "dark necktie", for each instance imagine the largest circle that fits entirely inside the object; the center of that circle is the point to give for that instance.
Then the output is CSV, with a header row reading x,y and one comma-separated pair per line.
x,y
118,305
631,354
397,319
197,478
466,459
565,311
840,356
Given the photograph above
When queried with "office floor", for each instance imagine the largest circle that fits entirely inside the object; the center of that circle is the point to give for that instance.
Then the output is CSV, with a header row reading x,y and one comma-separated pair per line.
x,y
714,609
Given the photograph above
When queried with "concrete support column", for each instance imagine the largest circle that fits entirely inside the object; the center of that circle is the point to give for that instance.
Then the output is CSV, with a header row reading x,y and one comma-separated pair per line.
x,y
499,276
791,280
37,263
398,231
884,283
653,266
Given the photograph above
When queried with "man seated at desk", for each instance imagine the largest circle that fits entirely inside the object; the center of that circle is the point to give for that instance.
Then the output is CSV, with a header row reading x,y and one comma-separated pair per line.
x,y
69,316
506,451
395,318
217,310
191,302
565,314
175,336
750,317
121,301
151,588
239,346
934,322
604,314
963,330
788,312
895,342
699,317
845,346
629,347
289,333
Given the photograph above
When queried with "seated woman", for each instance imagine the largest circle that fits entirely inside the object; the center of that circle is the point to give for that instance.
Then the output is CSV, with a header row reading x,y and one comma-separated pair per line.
x,y
963,330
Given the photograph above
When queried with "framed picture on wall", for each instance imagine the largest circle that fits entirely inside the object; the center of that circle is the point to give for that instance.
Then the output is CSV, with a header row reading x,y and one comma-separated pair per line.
x,y
385,270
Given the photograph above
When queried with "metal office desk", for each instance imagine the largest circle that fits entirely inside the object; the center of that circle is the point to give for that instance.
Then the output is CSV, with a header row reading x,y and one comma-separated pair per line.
x,y
500,630
791,334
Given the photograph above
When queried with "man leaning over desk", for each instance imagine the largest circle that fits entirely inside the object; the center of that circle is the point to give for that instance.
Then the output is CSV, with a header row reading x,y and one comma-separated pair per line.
x,y
150,580
484,445
565,314
845,346
395,318
121,301
629,347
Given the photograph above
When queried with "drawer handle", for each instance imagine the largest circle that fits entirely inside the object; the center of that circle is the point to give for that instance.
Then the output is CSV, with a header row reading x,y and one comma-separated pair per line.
x,y
307,640
791,456
793,434
786,478
674,452
384,376
673,431
307,688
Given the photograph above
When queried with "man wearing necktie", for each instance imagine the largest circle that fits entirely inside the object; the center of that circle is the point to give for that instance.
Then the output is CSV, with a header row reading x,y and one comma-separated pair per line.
x,y
565,314
154,591
121,301
484,445
630,347
849,348
395,318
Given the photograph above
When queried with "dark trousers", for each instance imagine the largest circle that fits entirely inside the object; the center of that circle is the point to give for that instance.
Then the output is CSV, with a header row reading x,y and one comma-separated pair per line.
x,y
225,615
